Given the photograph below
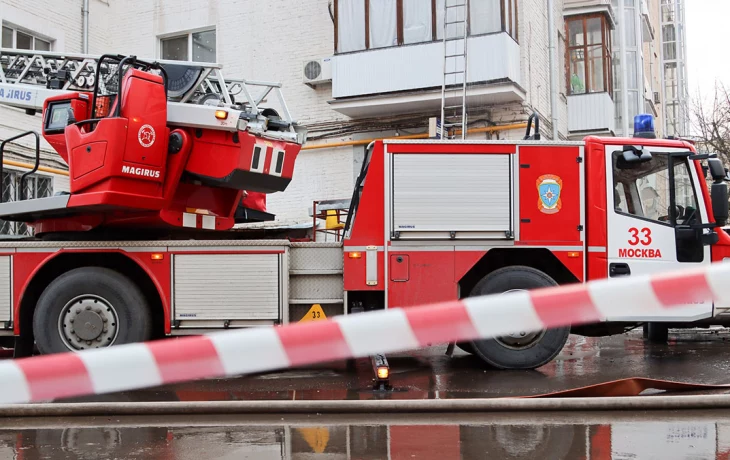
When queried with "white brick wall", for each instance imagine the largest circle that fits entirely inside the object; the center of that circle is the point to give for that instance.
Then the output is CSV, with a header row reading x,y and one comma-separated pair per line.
x,y
321,174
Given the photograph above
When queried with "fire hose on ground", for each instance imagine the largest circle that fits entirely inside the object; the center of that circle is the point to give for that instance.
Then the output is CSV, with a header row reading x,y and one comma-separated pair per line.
x,y
142,365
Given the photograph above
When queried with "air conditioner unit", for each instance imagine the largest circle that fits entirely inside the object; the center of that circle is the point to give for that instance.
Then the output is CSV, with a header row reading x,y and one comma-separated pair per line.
x,y
317,71
657,98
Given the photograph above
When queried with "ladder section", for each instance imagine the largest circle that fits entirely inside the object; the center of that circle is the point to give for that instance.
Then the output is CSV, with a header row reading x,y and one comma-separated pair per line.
x,y
453,103
27,78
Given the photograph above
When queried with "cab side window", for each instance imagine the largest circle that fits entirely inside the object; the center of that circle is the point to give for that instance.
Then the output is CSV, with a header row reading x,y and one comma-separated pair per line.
x,y
620,202
643,188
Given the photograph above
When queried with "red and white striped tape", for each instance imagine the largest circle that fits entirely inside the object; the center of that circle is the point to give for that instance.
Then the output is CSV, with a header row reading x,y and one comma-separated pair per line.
x,y
229,353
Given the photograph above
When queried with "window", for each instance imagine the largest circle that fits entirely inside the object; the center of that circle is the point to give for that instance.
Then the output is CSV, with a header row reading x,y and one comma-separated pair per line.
x,y
36,186
619,198
589,55
643,190
371,24
194,46
14,38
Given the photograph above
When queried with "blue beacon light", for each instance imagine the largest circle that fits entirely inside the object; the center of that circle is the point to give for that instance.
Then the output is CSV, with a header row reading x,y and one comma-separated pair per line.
x,y
644,126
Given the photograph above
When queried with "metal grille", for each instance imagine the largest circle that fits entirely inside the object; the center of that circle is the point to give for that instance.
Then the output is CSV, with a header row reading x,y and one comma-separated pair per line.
x,y
35,187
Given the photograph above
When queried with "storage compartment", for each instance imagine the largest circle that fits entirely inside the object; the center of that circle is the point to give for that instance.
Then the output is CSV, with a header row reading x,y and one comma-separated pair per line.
x,y
315,277
87,158
399,267
448,196
227,286
550,191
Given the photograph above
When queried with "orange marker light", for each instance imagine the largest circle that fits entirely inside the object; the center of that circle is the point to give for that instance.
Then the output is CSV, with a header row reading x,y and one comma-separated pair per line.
x,y
574,255
157,256
355,255
221,114
383,373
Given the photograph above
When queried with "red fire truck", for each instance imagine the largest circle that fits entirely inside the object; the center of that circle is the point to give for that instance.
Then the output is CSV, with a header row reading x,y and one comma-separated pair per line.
x,y
142,247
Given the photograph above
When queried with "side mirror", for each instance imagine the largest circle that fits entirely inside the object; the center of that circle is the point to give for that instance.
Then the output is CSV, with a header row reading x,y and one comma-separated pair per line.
x,y
632,155
720,205
71,119
717,170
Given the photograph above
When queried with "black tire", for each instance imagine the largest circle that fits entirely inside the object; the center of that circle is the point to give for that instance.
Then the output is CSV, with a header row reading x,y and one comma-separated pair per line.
x,y
544,348
657,333
129,317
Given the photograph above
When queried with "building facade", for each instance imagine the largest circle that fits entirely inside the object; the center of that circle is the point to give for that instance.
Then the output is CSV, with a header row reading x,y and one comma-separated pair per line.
x,y
357,70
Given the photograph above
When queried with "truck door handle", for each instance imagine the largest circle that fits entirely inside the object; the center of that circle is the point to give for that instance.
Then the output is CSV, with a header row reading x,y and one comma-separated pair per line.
x,y
618,270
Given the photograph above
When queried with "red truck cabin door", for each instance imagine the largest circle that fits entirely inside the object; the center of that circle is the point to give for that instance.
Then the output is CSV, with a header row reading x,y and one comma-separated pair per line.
x,y
642,239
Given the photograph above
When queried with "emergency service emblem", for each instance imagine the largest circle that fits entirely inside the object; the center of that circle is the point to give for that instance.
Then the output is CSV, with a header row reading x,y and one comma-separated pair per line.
x,y
548,188
146,136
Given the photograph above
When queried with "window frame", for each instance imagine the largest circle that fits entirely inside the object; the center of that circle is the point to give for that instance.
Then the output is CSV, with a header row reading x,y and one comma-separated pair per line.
x,y
506,8
33,35
606,45
189,35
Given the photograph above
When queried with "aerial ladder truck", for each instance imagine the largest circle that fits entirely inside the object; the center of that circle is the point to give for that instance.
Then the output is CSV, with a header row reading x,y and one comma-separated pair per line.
x,y
160,154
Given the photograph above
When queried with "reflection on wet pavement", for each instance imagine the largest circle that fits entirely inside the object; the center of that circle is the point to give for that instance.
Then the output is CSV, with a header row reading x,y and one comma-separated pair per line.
x,y
691,356
556,440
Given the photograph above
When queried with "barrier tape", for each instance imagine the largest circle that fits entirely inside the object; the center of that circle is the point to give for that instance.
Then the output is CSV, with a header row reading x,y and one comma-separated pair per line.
x,y
247,351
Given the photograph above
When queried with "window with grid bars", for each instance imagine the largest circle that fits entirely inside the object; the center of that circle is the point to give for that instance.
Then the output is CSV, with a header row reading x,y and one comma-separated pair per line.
x,y
36,186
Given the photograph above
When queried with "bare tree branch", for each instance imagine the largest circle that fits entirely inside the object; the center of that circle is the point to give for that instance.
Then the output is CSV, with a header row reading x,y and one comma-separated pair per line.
x,y
712,123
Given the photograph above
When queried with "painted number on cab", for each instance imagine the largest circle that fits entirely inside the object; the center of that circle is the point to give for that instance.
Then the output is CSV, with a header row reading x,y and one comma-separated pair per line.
x,y
640,237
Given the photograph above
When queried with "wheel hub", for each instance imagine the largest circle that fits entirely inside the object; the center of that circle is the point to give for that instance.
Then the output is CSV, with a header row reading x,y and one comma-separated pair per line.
x,y
88,321
89,325
522,339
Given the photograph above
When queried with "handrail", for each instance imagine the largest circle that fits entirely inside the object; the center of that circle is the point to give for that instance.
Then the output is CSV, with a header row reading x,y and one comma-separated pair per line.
x,y
37,159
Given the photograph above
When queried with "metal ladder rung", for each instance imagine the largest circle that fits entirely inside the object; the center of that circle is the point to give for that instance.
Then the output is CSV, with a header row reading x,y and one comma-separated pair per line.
x,y
454,55
455,22
460,5
454,73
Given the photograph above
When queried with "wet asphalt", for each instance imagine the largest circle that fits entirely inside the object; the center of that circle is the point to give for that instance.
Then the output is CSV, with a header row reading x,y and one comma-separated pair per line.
x,y
690,356
694,356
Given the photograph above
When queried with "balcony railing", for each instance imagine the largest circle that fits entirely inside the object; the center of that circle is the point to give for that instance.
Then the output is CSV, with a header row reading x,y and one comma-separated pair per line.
x,y
591,113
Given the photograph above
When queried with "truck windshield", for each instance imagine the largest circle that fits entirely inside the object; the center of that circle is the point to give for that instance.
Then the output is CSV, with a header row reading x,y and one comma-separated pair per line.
x,y
643,190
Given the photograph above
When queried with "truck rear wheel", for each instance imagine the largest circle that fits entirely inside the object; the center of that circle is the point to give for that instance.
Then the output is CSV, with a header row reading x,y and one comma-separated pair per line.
x,y
90,307
522,349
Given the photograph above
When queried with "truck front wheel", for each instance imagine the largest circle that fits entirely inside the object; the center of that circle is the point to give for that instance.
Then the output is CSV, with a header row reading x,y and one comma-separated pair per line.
x,y
521,349
90,307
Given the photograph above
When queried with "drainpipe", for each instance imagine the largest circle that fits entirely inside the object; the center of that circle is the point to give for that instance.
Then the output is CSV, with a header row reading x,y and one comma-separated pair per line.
x,y
553,69
624,68
85,31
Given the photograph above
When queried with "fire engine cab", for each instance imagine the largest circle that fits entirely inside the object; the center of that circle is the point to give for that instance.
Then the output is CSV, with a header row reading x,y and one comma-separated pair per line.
x,y
142,246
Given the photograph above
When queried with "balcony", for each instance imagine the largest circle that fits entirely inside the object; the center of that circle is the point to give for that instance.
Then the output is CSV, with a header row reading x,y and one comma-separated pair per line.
x,y
407,79
583,7
592,113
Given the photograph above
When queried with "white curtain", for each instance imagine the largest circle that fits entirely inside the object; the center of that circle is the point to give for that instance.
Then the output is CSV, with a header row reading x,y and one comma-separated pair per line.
x,y
383,23
485,16
416,21
350,25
